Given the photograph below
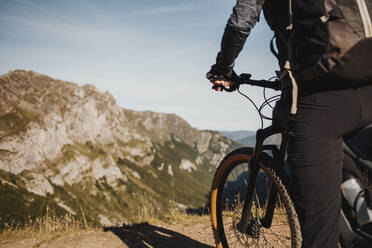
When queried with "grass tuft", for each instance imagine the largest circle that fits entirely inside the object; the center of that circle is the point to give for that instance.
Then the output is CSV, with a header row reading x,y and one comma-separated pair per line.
x,y
146,212
47,227
179,216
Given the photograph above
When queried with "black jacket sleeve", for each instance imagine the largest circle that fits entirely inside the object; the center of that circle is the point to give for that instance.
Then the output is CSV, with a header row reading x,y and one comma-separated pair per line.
x,y
244,17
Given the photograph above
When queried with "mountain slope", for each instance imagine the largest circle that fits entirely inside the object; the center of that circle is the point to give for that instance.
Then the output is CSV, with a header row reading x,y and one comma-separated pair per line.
x,y
238,135
248,138
76,151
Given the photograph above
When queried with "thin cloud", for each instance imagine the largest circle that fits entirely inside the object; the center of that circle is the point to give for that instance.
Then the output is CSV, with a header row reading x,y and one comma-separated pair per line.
x,y
20,2
165,10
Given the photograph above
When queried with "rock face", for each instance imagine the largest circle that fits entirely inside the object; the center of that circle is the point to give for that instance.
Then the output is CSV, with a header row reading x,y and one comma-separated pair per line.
x,y
74,147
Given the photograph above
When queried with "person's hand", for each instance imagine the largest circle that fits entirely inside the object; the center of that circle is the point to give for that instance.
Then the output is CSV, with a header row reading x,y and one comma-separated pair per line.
x,y
221,80
219,85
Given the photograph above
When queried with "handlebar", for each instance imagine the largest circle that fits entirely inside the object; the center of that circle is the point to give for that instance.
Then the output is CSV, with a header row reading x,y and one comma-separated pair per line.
x,y
245,78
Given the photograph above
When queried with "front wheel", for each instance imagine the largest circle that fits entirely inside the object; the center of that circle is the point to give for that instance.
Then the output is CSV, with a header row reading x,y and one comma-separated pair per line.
x,y
227,198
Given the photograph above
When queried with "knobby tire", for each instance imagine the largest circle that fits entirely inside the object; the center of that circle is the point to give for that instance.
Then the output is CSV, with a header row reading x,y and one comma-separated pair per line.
x,y
228,187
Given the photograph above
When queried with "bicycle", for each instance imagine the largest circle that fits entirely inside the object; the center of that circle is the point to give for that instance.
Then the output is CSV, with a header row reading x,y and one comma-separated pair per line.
x,y
251,204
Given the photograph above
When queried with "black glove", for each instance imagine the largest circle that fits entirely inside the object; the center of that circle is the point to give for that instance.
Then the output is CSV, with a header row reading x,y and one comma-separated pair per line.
x,y
216,73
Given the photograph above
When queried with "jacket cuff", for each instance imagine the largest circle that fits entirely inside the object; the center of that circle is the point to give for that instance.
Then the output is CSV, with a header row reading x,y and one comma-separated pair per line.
x,y
232,43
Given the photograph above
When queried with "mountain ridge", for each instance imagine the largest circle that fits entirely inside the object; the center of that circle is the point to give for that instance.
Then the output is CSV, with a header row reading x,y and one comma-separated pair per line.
x,y
74,148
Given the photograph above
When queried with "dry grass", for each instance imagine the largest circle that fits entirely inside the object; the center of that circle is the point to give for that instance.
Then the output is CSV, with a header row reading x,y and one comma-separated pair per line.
x,y
45,228
147,213
51,227
177,216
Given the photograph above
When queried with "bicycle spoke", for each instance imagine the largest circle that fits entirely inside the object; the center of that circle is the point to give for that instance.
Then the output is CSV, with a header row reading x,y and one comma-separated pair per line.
x,y
268,242
236,177
232,195
275,234
282,238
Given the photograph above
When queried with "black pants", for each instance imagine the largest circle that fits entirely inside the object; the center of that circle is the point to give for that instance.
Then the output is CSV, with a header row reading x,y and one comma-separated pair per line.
x,y
315,155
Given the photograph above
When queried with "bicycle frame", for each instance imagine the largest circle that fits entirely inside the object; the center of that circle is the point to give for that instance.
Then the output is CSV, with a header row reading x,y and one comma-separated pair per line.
x,y
349,232
279,156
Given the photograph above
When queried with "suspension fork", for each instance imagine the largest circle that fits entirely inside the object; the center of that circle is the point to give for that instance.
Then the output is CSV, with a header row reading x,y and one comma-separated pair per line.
x,y
279,156
254,168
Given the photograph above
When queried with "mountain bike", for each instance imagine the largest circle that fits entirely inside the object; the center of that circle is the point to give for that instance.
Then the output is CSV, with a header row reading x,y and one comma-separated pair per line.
x,y
251,203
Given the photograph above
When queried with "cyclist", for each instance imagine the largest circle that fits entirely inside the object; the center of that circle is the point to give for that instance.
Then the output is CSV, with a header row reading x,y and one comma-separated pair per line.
x,y
320,118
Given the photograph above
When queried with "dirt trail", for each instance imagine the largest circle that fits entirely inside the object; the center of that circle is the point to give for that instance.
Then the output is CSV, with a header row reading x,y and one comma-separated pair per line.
x,y
136,236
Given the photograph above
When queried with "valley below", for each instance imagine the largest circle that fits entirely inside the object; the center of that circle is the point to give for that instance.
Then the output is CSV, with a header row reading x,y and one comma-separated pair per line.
x,y
70,152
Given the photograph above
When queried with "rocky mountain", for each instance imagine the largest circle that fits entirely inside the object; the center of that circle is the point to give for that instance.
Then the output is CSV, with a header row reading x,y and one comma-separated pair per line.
x,y
244,137
72,149
241,136
248,138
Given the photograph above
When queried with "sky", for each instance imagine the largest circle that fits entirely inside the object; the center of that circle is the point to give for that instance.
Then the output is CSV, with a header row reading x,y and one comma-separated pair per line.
x,y
149,54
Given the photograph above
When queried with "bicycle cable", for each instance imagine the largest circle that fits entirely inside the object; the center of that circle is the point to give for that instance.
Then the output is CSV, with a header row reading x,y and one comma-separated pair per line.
x,y
264,90
259,113
267,102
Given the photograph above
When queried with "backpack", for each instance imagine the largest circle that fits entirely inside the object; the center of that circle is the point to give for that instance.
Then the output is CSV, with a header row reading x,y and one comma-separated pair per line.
x,y
320,40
